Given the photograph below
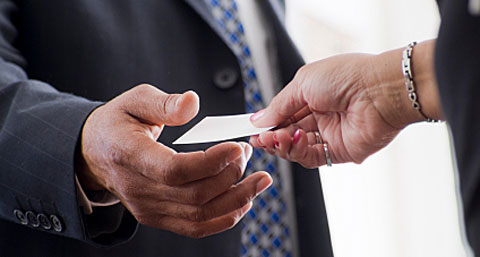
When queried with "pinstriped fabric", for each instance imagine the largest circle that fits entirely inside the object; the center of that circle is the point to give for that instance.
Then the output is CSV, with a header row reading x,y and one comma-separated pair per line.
x,y
38,134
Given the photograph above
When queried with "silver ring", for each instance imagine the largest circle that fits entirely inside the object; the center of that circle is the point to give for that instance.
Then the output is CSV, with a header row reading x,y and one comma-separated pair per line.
x,y
325,148
318,138
327,155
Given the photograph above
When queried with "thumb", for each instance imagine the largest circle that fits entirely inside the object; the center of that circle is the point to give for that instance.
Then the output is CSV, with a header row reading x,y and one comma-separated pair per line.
x,y
283,106
152,105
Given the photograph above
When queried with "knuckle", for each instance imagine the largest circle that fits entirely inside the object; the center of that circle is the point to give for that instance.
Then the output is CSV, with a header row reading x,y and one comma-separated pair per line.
x,y
143,89
200,214
301,71
285,107
196,232
148,219
164,107
242,194
353,156
359,160
138,214
231,221
246,197
308,165
169,177
237,171
308,162
292,120
282,108
277,101
142,219
282,154
175,172
198,197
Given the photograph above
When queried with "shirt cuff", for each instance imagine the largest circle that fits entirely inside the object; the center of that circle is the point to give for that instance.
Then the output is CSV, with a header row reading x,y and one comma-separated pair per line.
x,y
94,199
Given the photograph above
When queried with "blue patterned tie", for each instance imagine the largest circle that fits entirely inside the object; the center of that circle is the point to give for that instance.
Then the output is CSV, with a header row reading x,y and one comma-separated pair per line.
x,y
265,229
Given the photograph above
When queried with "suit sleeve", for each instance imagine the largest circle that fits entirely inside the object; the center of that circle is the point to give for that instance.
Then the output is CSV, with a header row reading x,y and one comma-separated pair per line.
x,y
39,135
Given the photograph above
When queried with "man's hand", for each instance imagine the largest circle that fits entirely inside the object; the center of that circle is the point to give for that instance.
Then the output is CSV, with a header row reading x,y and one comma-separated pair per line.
x,y
192,194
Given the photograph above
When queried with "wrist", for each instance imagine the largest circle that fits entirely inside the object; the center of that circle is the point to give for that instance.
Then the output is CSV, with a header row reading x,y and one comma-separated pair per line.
x,y
424,80
86,177
387,90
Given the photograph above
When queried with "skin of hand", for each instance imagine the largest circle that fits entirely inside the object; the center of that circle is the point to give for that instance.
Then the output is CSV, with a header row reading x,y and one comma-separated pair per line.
x,y
356,102
194,194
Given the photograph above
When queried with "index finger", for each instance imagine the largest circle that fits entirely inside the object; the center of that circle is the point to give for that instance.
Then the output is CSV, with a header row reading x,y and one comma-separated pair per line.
x,y
182,168
283,106
298,116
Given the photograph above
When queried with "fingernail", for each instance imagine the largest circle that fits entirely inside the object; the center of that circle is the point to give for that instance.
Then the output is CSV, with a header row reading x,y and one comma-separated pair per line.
x,y
263,184
260,143
235,153
248,151
296,137
275,141
257,115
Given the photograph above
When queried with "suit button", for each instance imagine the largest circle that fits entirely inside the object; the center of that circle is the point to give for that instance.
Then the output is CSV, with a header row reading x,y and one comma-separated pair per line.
x,y
56,223
44,221
225,78
20,216
32,219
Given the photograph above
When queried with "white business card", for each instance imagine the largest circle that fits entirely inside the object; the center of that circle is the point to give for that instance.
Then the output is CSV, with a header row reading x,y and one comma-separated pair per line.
x,y
220,128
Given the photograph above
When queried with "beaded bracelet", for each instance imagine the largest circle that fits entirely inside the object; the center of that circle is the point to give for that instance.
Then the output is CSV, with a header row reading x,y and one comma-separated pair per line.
x,y
409,85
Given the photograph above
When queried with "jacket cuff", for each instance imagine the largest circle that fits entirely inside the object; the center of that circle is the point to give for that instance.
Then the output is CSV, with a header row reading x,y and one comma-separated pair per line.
x,y
42,128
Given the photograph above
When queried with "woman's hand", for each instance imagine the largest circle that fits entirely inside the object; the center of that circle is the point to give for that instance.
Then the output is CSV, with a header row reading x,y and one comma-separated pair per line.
x,y
356,103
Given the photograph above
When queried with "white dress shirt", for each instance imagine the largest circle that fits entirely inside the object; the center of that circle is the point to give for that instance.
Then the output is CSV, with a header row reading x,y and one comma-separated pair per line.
x,y
262,47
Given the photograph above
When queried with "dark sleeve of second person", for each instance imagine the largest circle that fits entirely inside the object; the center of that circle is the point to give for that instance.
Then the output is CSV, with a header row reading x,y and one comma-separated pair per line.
x,y
39,131
457,65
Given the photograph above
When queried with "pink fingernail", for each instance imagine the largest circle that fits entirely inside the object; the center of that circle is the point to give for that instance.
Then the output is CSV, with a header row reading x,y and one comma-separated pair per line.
x,y
275,141
257,115
260,142
296,137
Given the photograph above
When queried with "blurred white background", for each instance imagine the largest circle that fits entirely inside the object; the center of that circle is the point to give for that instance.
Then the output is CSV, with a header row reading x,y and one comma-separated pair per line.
x,y
401,201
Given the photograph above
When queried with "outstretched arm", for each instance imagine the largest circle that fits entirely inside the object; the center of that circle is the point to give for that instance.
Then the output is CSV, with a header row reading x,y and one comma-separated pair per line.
x,y
357,103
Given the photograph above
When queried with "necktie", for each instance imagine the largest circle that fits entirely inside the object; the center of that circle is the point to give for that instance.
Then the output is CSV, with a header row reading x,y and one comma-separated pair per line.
x,y
265,229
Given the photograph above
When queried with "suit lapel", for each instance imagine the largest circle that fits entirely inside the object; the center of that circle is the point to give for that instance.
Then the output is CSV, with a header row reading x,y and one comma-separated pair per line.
x,y
276,7
203,10
201,7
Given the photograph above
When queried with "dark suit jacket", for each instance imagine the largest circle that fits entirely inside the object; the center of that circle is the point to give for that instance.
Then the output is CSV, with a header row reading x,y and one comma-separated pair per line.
x,y
457,66
57,58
